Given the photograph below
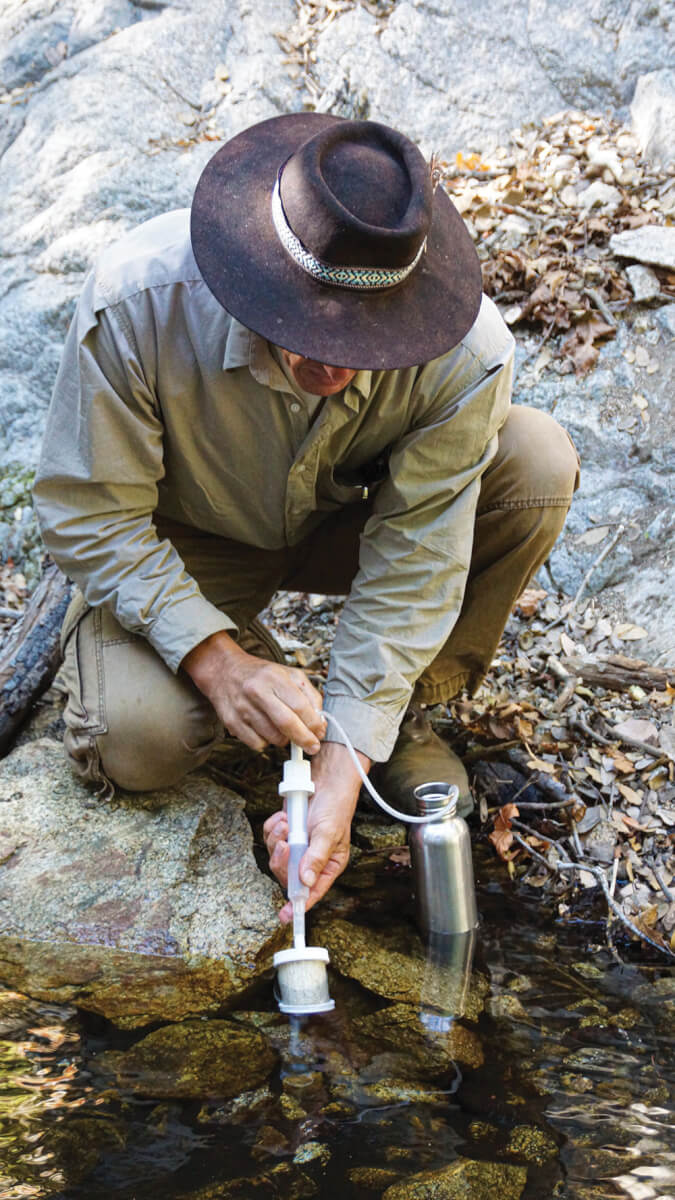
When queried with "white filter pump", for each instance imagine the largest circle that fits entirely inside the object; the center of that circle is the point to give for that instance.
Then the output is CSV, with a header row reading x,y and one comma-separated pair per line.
x,y
301,971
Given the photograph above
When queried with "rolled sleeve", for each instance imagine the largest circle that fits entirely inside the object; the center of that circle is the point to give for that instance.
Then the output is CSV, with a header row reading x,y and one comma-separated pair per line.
x,y
368,728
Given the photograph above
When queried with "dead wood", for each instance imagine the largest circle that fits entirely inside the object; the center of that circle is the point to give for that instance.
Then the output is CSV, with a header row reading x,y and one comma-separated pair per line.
x,y
30,655
618,673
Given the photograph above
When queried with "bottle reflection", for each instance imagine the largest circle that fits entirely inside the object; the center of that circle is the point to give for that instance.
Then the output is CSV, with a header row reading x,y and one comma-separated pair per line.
x,y
447,976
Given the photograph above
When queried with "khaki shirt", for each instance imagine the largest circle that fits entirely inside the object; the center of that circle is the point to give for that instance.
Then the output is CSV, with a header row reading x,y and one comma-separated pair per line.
x,y
164,403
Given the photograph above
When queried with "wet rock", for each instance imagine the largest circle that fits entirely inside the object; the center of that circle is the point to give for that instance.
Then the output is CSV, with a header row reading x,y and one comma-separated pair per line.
x,y
644,282
365,1092
653,115
462,1180
283,1182
506,1007
481,1131
653,244
314,1152
426,1052
269,1141
148,908
376,835
532,1144
373,1179
192,1060
237,1110
292,1109
393,964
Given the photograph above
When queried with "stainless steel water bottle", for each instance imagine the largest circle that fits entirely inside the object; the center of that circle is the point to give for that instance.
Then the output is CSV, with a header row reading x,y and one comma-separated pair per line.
x,y
441,857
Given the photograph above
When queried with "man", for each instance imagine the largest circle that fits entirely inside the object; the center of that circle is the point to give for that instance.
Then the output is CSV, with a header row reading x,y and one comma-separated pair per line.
x,y
305,390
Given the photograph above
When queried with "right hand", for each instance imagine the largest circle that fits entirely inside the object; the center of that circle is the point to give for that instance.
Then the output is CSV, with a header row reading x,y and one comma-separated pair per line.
x,y
259,702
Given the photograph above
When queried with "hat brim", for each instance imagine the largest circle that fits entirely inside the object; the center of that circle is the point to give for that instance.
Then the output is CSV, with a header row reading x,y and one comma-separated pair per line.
x,y
253,276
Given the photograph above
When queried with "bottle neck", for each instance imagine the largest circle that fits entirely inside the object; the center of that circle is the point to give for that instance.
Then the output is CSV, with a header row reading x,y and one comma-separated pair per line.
x,y
432,797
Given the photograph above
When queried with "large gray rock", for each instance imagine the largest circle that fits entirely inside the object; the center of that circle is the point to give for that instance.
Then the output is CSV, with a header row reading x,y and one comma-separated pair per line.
x,y
150,907
455,74
653,115
109,130
620,417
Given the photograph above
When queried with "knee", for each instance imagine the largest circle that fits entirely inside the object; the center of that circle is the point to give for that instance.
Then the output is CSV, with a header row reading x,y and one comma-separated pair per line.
x,y
154,744
539,457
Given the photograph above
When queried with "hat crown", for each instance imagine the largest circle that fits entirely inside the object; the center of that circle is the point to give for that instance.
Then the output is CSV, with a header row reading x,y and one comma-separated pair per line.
x,y
358,194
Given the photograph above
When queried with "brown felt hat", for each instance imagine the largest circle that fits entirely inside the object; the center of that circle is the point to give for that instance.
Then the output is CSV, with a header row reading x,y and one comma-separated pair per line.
x,y
325,236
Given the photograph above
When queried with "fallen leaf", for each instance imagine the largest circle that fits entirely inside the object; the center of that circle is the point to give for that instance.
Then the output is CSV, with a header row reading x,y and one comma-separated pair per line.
x,y
643,731
528,602
592,536
629,794
501,836
567,645
539,764
628,632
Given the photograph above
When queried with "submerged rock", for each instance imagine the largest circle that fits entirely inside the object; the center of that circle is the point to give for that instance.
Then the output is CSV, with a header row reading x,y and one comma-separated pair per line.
x,y
194,1060
463,1180
427,1052
532,1144
395,964
372,1178
147,908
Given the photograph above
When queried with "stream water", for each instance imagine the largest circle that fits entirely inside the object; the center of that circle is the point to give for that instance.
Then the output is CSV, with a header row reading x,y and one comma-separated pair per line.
x,y
557,1082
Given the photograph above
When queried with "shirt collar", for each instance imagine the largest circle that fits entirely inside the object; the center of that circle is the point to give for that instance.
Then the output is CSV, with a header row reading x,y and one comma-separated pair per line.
x,y
243,348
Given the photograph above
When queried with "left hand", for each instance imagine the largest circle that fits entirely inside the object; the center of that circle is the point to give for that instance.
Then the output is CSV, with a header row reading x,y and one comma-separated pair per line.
x,y
331,808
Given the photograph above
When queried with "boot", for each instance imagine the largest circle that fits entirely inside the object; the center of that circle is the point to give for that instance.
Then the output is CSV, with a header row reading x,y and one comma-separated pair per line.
x,y
420,756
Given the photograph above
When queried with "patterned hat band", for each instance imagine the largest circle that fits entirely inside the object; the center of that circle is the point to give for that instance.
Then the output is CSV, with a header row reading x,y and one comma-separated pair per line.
x,y
364,279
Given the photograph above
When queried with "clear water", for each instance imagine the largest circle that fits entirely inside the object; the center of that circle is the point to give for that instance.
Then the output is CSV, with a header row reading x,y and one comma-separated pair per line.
x,y
576,1085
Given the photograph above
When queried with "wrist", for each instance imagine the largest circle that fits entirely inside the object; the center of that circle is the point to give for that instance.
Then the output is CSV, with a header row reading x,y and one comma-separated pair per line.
x,y
333,767
210,655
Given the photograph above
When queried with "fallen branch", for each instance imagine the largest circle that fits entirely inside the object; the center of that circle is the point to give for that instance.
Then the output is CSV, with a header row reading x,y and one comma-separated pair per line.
x,y
654,751
617,673
31,655
599,875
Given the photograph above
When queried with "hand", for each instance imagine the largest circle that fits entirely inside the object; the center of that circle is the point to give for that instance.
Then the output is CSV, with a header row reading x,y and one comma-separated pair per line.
x,y
329,820
257,701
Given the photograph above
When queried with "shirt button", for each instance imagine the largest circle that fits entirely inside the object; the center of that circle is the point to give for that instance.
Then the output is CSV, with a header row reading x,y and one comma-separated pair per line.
x,y
295,407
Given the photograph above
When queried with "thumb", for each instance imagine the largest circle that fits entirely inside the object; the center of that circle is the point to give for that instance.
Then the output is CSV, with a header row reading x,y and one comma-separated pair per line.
x,y
315,858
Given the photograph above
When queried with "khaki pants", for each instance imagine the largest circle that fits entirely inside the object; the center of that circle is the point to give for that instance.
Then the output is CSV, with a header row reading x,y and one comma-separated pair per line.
x,y
132,723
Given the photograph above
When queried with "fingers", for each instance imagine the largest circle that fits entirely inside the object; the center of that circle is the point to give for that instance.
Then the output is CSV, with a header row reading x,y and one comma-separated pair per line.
x,y
324,881
278,704
275,829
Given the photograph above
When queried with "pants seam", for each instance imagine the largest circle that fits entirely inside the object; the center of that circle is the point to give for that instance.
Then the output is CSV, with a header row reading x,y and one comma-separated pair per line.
x,y
535,502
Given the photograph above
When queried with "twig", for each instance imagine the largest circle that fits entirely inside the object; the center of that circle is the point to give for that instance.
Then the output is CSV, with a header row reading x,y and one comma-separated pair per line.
x,y
541,837
11,614
599,303
654,751
594,565
615,872
566,694
599,875
666,890
575,839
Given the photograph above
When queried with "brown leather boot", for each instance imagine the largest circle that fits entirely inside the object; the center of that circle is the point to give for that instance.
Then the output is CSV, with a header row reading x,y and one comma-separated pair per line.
x,y
420,756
